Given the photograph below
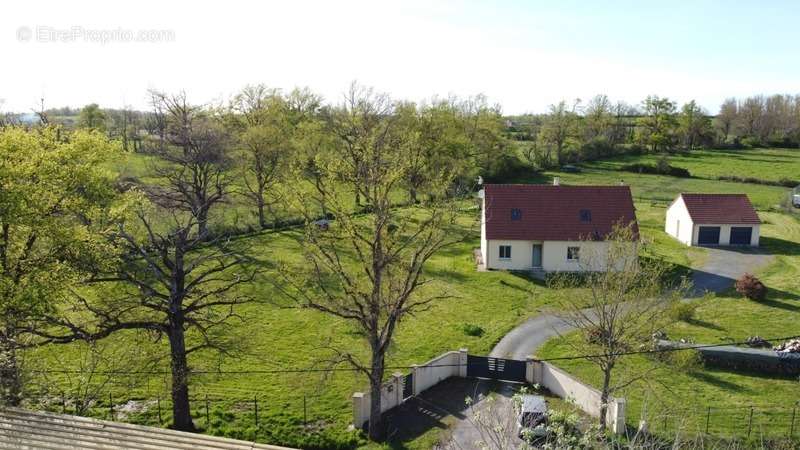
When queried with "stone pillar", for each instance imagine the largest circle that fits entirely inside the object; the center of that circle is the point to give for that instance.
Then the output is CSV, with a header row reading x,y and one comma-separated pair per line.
x,y
360,410
529,369
462,362
398,387
415,381
618,420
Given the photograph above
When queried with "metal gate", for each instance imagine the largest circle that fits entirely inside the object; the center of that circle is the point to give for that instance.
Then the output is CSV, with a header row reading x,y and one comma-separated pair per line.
x,y
408,386
496,368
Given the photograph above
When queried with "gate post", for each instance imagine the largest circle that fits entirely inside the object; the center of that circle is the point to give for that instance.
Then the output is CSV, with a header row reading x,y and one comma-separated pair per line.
x,y
359,412
415,390
529,362
462,362
398,387
618,420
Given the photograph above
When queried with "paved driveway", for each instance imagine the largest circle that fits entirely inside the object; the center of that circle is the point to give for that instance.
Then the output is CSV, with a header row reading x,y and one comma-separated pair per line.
x,y
723,266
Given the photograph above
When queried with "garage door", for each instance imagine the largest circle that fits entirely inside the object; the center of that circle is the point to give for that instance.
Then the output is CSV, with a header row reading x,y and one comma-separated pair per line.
x,y
708,236
741,235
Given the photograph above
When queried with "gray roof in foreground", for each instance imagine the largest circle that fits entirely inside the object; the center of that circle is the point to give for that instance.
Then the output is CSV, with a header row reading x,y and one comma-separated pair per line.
x,y
23,429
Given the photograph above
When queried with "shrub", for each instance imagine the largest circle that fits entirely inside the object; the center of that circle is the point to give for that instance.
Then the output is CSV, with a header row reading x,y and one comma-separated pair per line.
x,y
683,311
783,182
751,287
472,330
657,170
686,360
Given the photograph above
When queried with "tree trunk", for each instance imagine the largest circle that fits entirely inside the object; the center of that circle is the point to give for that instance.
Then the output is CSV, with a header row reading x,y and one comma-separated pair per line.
x,y
375,382
202,222
412,193
181,413
604,396
10,376
262,220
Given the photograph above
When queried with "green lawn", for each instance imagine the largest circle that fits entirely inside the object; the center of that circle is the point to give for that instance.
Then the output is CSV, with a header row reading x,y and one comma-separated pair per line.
x,y
770,164
273,336
676,398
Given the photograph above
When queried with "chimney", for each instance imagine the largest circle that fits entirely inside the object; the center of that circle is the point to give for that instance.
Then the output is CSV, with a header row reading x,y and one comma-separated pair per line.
x,y
556,181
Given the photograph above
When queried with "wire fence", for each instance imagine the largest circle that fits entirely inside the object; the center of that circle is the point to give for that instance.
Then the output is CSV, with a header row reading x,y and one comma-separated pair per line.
x,y
737,423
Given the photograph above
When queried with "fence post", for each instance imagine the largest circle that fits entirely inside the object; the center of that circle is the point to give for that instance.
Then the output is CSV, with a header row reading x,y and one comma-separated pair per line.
x,y
111,406
208,421
63,403
708,418
750,423
358,410
255,407
305,411
158,403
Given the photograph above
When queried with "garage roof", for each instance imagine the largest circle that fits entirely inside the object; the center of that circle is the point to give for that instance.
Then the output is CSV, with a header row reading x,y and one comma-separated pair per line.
x,y
542,212
720,209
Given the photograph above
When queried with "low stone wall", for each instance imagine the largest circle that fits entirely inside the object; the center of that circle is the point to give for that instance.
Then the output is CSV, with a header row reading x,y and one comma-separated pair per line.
x,y
745,359
585,397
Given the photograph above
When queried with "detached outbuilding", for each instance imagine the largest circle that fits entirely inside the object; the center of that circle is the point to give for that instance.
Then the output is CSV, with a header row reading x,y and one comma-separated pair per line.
x,y
713,219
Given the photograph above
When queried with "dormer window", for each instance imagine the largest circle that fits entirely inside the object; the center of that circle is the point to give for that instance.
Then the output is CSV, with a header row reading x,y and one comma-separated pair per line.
x,y
585,215
516,214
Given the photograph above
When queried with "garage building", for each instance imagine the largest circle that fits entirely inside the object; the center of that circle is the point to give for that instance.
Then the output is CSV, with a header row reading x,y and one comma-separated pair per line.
x,y
713,219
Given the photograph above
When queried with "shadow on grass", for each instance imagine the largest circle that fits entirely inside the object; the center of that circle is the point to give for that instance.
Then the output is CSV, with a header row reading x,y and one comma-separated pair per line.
x,y
710,378
782,305
705,324
777,246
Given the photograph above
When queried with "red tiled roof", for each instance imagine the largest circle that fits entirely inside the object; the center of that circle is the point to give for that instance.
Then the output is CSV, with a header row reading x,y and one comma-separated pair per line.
x,y
553,213
720,208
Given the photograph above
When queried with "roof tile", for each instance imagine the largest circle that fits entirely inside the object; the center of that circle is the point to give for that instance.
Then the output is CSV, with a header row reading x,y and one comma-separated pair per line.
x,y
720,208
553,213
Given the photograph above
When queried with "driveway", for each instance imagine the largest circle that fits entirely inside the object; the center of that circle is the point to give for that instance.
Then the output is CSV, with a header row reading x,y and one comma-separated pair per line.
x,y
723,266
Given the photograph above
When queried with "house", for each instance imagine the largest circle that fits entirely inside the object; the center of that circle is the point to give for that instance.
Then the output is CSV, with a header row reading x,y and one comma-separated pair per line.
x,y
551,228
713,219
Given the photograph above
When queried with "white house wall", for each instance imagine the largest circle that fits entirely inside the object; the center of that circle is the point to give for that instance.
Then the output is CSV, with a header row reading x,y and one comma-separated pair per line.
x,y
678,222
725,233
554,255
484,249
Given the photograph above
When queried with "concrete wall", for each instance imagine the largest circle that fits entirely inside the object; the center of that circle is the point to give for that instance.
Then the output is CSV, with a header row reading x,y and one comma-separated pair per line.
x,y
678,223
585,397
425,376
454,364
725,233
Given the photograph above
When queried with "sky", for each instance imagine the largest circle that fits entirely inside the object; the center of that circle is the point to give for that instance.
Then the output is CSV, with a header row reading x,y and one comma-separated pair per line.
x,y
523,55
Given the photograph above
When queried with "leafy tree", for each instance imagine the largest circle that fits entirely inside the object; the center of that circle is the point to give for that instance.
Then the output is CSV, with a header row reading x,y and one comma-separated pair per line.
x,y
694,125
559,127
659,123
367,268
54,201
598,117
92,117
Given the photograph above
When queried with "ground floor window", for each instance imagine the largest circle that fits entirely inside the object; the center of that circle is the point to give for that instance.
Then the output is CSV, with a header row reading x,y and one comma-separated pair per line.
x,y
505,252
573,253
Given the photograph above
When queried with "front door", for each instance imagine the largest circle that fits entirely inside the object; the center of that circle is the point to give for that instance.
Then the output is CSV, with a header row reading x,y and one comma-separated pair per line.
x,y
537,256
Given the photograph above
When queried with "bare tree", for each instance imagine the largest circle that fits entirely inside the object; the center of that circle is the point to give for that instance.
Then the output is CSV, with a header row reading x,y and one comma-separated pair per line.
x,y
367,268
196,151
560,125
726,119
623,306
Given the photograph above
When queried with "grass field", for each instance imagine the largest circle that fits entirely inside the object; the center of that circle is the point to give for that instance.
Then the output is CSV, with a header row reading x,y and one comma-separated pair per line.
x,y
275,337
771,164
